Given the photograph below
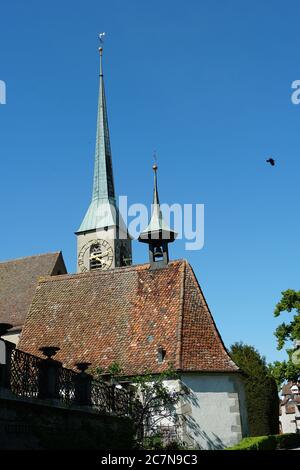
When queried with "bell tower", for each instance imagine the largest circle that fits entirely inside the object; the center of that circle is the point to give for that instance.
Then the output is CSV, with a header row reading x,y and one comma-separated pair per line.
x,y
157,235
103,241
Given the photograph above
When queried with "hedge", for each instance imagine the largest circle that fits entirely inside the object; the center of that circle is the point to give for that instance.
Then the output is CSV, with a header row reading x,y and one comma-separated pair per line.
x,y
288,441
272,442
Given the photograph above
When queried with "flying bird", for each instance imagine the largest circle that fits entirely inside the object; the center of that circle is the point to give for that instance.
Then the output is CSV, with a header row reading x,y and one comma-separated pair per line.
x,y
271,161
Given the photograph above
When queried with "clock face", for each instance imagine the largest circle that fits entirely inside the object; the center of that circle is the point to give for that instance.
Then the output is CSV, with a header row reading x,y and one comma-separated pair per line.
x,y
96,254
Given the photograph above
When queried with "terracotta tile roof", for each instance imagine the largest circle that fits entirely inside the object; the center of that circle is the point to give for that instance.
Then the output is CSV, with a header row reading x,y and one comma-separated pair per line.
x,y
284,401
286,388
18,281
125,315
289,403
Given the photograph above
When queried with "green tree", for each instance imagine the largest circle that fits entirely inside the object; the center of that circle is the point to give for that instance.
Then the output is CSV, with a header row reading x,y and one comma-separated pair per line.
x,y
289,302
284,333
261,390
284,371
154,402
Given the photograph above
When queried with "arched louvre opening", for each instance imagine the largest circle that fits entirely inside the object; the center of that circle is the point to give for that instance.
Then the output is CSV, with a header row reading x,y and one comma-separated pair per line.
x,y
95,256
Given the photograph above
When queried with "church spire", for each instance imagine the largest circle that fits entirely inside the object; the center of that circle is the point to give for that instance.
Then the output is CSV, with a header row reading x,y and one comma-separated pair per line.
x,y
102,210
158,234
103,174
103,241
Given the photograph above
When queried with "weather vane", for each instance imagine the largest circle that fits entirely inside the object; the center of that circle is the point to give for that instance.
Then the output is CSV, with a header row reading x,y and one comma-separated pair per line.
x,y
101,37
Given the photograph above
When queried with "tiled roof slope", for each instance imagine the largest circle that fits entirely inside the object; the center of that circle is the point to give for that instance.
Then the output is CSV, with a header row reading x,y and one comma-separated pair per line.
x,y
286,388
202,345
18,281
125,315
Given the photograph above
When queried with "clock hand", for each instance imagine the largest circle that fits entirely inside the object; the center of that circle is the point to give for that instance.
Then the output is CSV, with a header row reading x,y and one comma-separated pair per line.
x,y
104,253
101,260
96,256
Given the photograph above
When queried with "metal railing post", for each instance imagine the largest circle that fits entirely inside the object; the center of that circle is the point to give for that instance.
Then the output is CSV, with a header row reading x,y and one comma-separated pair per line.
x,y
113,397
83,385
6,349
49,374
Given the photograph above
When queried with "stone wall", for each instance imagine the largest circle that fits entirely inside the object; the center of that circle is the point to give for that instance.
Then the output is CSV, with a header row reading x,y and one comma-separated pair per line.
x,y
214,410
288,421
34,424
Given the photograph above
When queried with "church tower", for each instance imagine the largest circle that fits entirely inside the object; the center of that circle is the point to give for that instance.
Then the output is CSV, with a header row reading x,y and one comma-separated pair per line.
x,y
102,238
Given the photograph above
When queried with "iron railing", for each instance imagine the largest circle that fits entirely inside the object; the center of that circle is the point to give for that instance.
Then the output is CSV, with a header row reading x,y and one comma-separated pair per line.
x,y
66,385
101,397
29,376
24,374
162,434
111,399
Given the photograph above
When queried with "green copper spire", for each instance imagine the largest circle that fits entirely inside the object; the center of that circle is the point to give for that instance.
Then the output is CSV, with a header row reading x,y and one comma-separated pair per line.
x,y
102,210
103,175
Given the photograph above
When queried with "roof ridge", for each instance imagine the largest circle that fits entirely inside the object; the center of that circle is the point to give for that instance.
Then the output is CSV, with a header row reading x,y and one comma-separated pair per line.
x,y
31,256
182,294
99,272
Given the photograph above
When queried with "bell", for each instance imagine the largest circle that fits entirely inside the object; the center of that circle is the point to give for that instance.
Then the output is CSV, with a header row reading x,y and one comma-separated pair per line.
x,y
158,252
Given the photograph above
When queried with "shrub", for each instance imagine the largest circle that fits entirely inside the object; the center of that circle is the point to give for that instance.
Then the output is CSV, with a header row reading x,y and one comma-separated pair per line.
x,y
288,441
272,442
256,443
261,390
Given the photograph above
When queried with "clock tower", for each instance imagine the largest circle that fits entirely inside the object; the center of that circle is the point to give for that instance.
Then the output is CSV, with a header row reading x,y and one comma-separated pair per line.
x,y
103,241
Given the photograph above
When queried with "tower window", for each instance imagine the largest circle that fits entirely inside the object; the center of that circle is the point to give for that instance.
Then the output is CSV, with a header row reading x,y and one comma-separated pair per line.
x,y
95,263
125,258
161,354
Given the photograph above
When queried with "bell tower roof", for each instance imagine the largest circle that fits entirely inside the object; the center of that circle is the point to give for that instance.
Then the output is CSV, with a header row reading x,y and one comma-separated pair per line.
x,y
158,234
157,228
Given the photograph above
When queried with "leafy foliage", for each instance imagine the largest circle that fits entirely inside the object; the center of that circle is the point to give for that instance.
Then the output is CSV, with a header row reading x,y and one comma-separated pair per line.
x,y
261,390
156,442
114,371
154,402
289,302
96,372
285,332
279,441
157,402
284,371
256,443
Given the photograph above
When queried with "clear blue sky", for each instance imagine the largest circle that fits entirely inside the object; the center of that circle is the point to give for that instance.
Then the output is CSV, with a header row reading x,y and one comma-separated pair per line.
x,y
205,83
